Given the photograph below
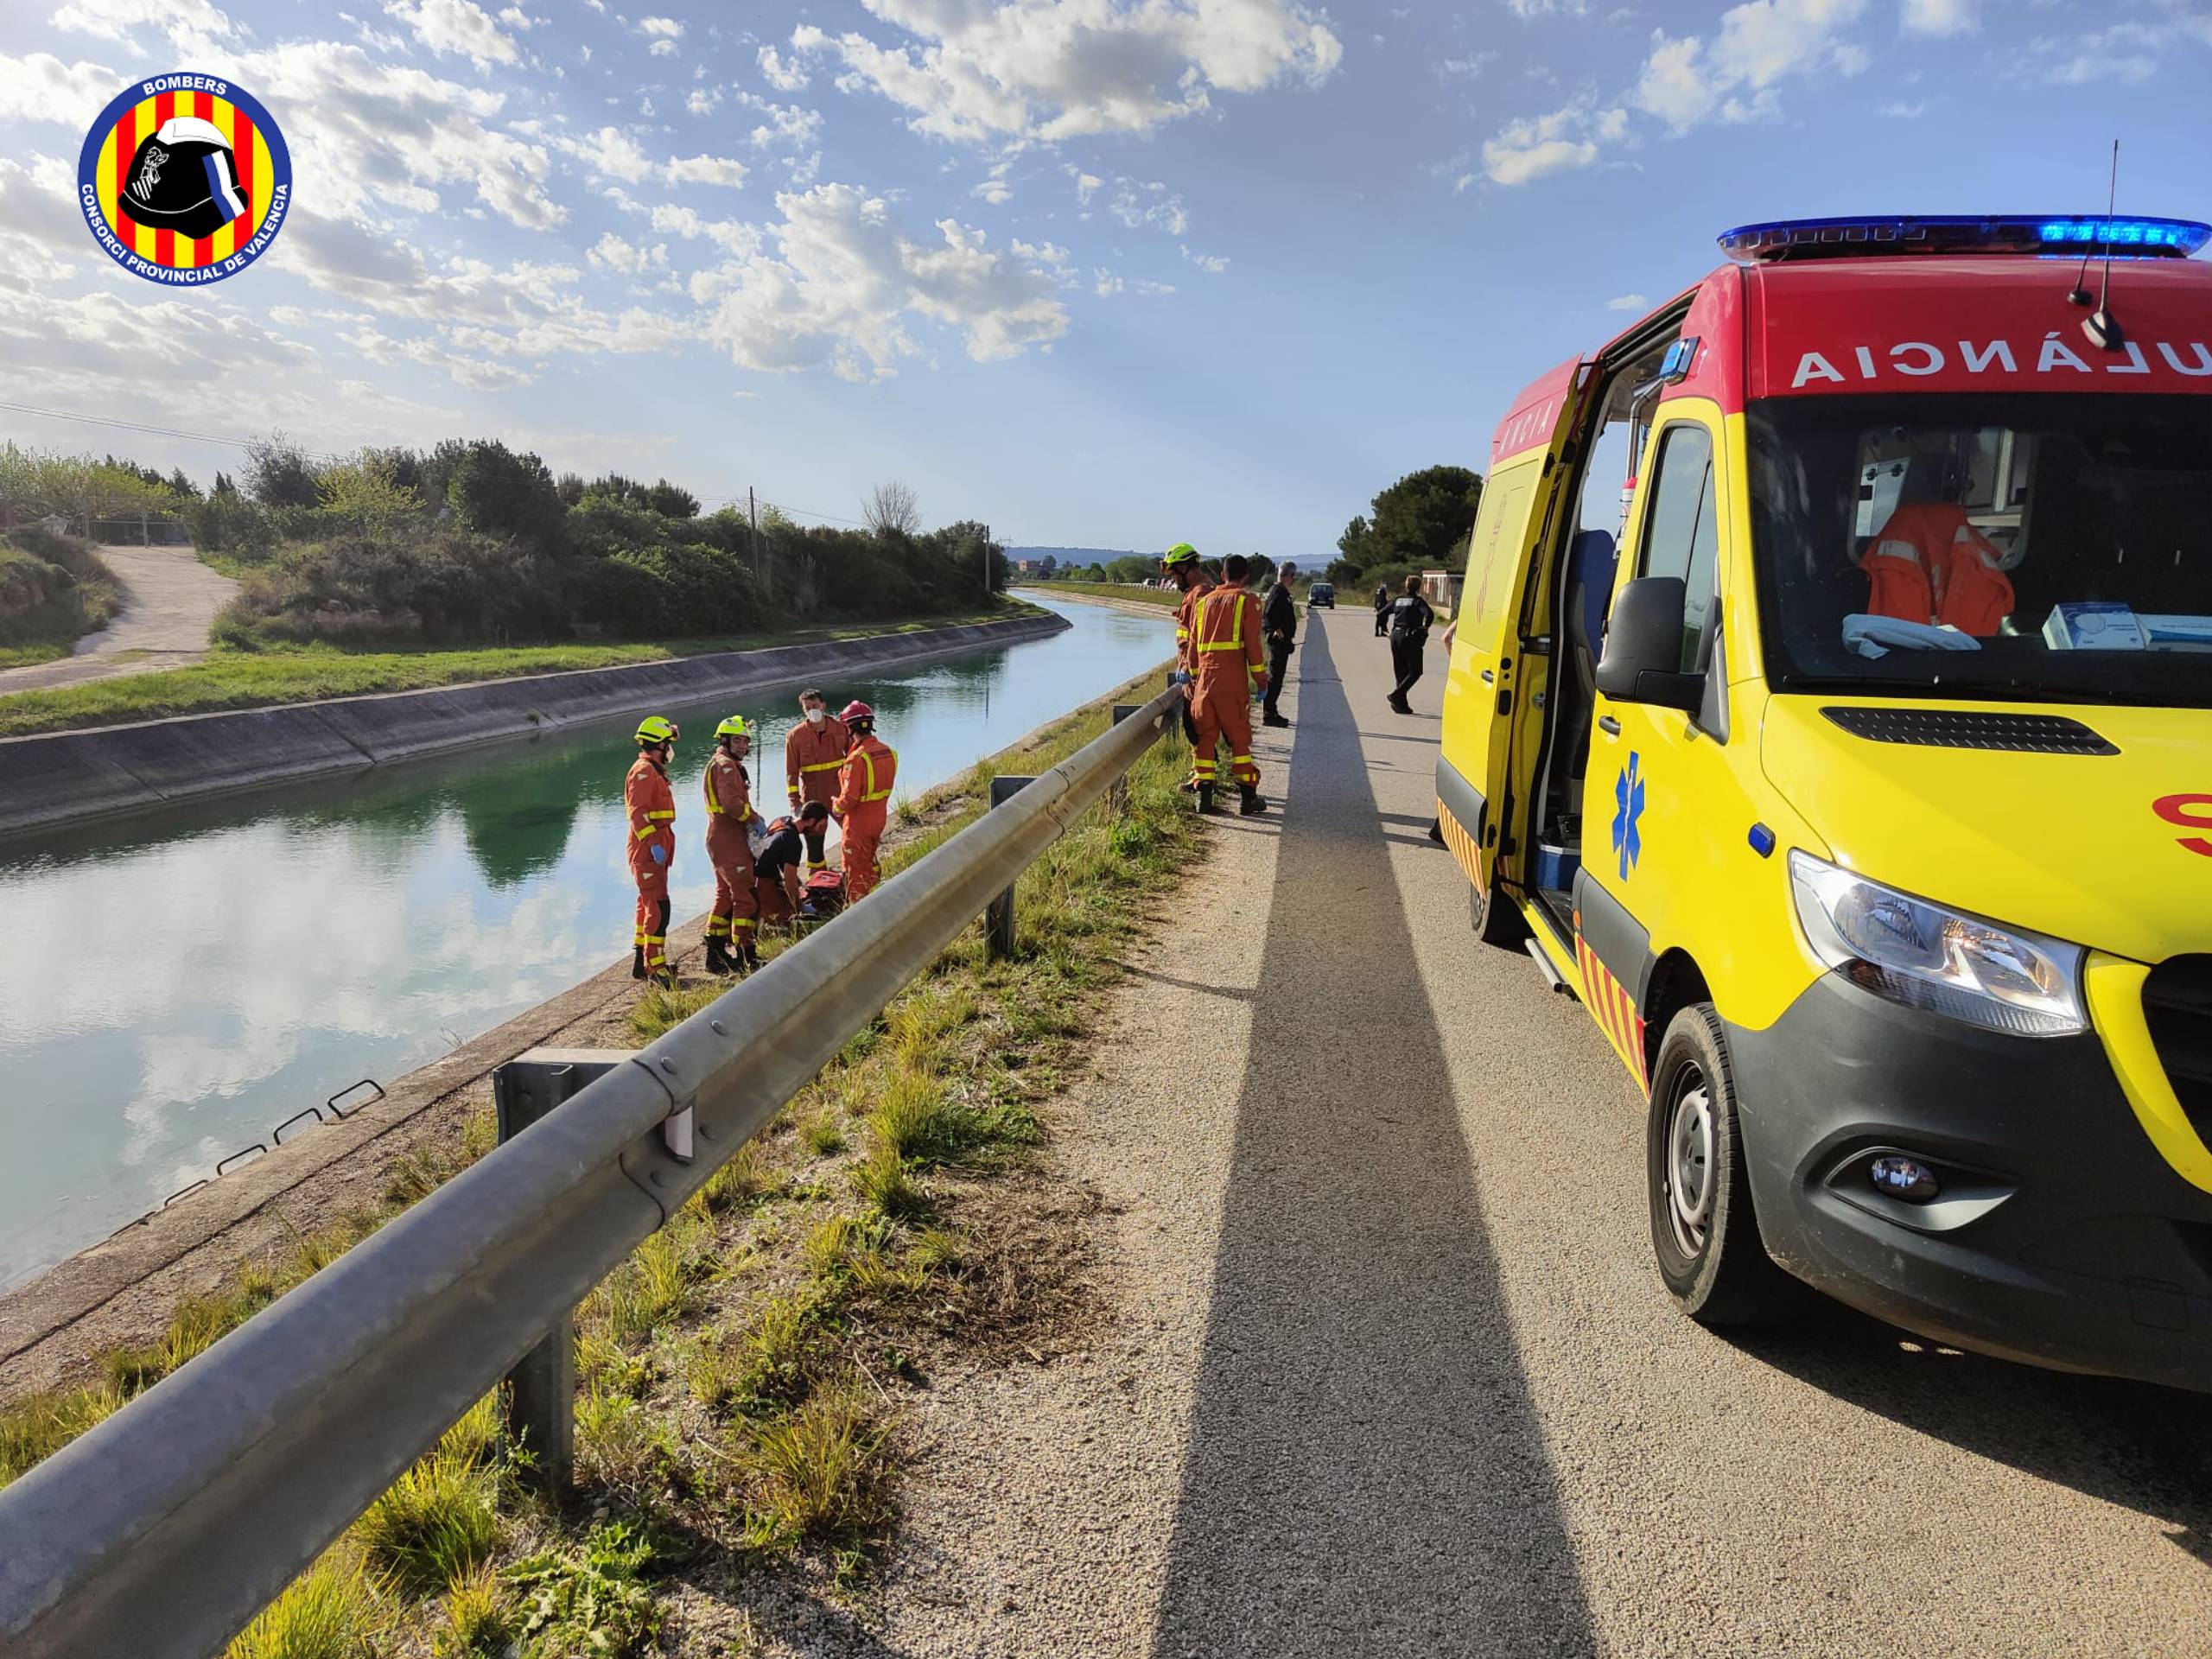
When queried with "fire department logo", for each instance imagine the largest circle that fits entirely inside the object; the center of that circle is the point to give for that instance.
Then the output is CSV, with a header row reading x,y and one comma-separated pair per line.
x,y
184,178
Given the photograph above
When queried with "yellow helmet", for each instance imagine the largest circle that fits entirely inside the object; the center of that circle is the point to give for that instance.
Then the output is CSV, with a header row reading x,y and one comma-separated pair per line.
x,y
656,728
734,726
1181,553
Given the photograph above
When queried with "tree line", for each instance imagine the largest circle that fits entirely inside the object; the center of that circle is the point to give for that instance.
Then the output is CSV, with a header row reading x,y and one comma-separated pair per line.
x,y
473,542
1420,523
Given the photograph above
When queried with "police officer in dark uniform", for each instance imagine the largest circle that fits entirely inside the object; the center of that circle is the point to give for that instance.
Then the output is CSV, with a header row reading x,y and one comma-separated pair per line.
x,y
1279,628
1410,619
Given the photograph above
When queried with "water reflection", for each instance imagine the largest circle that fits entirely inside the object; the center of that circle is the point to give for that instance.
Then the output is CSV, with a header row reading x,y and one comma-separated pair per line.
x,y
173,988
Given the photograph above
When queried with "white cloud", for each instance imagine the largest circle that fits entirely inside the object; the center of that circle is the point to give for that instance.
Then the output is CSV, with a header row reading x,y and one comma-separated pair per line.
x,y
41,88
787,127
846,282
1041,253
611,252
1057,69
1559,142
1899,109
1141,206
458,27
706,169
1212,264
611,152
665,29
1628,302
369,130
785,77
1540,8
2128,53
702,100
1690,80
191,27
1940,17
1087,185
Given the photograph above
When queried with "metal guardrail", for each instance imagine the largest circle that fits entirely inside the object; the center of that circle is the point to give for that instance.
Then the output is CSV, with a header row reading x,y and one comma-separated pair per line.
x,y
166,1529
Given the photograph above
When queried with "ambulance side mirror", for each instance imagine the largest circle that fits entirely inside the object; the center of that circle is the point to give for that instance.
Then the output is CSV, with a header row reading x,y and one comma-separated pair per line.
x,y
1642,658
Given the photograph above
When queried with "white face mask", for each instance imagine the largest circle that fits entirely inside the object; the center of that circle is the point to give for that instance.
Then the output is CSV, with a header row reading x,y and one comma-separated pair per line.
x,y
816,717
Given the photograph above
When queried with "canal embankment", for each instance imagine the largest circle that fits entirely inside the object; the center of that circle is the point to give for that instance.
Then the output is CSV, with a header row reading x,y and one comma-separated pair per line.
x,y
123,1291
60,778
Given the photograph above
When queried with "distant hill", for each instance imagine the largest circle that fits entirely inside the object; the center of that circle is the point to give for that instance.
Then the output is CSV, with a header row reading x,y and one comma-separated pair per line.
x,y
1078,555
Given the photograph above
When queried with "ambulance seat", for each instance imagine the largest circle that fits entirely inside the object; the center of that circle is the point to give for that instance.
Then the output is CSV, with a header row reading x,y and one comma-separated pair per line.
x,y
1591,560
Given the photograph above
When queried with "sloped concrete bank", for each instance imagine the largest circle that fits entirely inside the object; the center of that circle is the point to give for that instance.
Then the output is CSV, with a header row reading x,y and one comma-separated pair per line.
x,y
61,777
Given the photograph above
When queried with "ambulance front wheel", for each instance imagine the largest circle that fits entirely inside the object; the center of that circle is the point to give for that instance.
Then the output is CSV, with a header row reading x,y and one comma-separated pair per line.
x,y
1703,1228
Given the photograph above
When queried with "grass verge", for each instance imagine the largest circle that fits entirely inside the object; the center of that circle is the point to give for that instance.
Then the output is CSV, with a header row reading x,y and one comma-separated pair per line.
x,y
257,679
743,1376
1166,598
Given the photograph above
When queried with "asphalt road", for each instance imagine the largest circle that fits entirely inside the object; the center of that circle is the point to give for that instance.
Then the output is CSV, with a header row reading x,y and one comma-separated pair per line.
x,y
1391,1372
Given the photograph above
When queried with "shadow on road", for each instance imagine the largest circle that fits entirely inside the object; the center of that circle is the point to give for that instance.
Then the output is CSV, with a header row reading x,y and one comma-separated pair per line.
x,y
1364,1474
2130,1444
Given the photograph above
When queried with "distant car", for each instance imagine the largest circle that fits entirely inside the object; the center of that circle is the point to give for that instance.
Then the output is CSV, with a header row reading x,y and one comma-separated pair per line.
x,y
1321,593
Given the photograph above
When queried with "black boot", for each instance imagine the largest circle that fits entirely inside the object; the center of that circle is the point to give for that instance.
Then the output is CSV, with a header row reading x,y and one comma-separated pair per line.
x,y
718,960
1252,804
638,961
1206,798
748,955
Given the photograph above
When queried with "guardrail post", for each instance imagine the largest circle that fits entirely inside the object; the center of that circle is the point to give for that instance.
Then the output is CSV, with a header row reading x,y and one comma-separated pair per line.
x,y
1117,792
998,918
542,1387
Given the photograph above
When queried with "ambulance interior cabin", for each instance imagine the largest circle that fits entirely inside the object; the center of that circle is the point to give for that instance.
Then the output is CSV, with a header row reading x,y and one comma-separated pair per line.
x,y
2030,546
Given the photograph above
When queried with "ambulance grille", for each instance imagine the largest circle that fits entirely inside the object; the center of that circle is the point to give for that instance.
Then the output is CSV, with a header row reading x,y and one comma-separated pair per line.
x,y
1972,728
2178,1007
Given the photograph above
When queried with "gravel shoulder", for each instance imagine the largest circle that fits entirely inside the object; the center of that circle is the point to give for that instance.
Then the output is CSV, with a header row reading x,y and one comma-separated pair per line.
x,y
171,600
1384,1368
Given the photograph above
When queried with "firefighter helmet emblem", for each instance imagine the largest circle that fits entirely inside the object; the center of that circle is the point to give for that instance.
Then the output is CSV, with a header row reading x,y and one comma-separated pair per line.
x,y
184,178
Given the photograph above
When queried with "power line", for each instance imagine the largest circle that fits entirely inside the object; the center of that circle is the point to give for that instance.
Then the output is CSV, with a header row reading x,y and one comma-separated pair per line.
x,y
156,431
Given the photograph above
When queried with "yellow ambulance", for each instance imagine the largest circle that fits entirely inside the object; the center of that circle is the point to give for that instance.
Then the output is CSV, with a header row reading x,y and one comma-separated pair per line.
x,y
1853,766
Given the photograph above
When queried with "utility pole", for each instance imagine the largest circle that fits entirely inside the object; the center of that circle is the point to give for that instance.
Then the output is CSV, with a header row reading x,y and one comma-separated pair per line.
x,y
753,518
987,560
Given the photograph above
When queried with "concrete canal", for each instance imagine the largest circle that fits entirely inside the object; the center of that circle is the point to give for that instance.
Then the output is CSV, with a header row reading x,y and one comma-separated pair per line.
x,y
172,989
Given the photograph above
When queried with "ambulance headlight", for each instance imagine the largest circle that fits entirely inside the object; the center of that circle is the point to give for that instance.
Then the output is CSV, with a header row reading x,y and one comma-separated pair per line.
x,y
1926,956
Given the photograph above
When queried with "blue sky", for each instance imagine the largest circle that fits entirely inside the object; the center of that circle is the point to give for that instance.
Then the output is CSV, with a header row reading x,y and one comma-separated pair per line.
x,y
1099,272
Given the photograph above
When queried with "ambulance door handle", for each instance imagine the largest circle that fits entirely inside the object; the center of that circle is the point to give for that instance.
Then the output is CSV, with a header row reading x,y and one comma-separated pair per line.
x,y
1609,726
1488,678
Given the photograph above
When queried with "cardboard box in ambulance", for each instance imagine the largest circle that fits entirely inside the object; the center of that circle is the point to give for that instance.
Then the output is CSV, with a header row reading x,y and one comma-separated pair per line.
x,y
1854,768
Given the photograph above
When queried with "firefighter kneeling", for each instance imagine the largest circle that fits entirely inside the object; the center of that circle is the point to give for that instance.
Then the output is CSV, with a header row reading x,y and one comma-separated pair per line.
x,y
731,944
1225,642
863,804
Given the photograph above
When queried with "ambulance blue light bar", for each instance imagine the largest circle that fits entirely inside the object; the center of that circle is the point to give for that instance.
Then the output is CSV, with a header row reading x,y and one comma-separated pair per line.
x,y
1957,233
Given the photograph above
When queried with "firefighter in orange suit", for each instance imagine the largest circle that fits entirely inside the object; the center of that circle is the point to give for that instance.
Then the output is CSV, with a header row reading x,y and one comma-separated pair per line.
x,y
814,754
732,946
1181,563
651,809
1225,639
863,804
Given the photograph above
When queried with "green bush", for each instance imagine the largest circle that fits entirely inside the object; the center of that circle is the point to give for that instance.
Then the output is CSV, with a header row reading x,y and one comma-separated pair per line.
x,y
52,588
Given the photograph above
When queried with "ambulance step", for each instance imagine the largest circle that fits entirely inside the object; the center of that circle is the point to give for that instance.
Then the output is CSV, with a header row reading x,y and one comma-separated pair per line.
x,y
1552,974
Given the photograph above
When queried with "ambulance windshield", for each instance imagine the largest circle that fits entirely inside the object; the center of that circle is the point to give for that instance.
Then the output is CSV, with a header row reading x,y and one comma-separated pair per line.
x,y
2023,547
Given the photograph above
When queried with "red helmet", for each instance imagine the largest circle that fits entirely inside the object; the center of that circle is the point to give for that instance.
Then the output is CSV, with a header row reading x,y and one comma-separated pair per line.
x,y
853,711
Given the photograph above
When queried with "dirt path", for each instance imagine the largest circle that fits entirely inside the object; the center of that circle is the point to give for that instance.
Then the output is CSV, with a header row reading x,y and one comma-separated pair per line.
x,y
169,601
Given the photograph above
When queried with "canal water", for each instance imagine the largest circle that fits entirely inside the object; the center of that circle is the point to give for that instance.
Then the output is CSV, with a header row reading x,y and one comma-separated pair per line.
x,y
173,988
